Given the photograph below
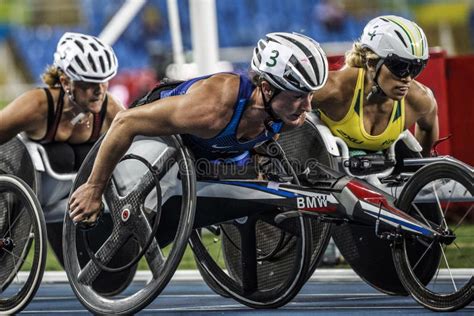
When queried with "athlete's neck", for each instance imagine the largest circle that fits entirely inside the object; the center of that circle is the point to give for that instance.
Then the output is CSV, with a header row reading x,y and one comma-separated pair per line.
x,y
255,109
379,97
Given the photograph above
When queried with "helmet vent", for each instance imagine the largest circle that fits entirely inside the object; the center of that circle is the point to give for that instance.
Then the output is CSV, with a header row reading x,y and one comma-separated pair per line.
x,y
259,56
298,67
311,59
72,70
293,80
79,62
108,57
102,63
401,38
98,42
94,47
79,44
91,62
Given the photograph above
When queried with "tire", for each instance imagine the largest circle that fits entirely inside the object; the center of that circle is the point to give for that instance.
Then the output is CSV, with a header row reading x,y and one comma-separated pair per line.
x,y
443,193
208,279
171,160
248,266
301,146
22,222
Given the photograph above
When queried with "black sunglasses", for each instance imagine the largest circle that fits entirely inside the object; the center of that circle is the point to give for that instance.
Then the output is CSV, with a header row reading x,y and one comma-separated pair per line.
x,y
402,67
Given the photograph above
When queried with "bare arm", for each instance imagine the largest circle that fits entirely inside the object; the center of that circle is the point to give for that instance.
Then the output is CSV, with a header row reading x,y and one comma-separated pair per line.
x,y
24,114
336,94
427,127
192,113
113,108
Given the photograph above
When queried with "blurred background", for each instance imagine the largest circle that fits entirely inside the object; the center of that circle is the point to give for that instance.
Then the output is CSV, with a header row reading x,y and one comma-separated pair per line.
x,y
183,38
30,29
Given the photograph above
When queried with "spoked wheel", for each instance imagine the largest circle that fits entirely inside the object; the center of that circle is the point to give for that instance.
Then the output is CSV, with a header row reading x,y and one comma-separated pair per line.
x,y
22,244
254,260
155,170
441,196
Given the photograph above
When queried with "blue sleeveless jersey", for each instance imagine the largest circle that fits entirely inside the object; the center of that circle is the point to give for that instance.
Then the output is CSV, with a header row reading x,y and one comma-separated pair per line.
x,y
225,145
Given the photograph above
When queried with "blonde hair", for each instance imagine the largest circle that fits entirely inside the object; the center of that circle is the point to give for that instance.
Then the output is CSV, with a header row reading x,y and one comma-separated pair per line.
x,y
359,56
51,76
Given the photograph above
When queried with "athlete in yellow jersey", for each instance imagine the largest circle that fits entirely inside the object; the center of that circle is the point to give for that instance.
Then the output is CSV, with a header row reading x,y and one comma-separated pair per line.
x,y
374,97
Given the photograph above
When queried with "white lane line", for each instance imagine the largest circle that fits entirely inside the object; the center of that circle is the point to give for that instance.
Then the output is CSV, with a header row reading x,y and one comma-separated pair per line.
x,y
327,275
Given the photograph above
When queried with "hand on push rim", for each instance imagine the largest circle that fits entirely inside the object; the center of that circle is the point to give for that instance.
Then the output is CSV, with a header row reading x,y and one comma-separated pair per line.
x,y
85,205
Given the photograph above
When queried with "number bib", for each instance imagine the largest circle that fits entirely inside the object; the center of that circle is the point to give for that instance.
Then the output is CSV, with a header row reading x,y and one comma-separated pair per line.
x,y
275,58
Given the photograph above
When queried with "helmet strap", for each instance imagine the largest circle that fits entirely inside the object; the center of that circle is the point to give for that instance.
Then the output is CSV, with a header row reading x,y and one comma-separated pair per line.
x,y
376,89
267,104
82,114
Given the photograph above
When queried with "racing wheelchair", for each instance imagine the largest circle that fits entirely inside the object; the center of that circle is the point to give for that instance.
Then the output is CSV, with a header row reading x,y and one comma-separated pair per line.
x,y
33,199
271,230
435,190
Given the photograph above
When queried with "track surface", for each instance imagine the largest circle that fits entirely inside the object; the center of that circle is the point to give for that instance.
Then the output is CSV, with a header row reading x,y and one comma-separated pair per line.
x,y
332,293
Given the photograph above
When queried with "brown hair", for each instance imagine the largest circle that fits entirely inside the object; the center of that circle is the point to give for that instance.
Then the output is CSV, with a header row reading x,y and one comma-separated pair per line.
x,y
359,56
51,76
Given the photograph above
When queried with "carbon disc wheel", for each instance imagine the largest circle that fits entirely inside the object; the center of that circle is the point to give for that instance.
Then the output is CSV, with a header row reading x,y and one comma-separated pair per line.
x,y
244,262
136,197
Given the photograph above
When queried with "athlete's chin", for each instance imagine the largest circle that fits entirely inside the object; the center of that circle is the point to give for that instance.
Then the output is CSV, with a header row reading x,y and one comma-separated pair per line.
x,y
292,122
94,107
398,94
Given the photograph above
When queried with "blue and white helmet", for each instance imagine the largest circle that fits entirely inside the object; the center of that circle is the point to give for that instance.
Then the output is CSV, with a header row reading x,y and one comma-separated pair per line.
x,y
392,34
85,58
291,61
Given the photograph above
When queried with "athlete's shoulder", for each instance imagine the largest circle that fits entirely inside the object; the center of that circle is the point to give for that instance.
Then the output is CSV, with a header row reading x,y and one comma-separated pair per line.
x,y
420,98
222,88
225,80
339,87
33,100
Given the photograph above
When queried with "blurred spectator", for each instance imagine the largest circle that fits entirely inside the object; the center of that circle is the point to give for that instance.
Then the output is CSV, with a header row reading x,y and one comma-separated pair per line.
x,y
152,21
154,28
331,14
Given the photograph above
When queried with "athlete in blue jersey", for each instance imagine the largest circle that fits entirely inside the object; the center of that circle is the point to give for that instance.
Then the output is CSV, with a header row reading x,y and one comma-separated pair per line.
x,y
219,116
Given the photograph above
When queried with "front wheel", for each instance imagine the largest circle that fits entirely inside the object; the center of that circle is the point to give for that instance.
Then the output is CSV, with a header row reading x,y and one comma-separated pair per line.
x,y
441,196
150,201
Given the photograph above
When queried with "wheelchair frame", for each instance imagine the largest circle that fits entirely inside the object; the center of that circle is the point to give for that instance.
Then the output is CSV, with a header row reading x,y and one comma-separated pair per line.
x,y
337,201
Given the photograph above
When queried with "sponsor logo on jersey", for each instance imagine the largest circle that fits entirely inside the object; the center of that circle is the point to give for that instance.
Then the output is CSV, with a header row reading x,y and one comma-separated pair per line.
x,y
349,138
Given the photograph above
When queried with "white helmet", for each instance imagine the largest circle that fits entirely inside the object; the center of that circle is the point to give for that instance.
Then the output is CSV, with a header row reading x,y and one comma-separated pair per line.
x,y
85,58
291,61
390,34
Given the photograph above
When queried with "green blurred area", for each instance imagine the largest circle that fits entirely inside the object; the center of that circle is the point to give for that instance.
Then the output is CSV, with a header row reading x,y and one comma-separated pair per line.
x,y
14,11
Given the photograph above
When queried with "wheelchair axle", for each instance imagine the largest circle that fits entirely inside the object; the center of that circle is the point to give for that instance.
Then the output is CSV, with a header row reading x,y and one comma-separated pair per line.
x,y
6,244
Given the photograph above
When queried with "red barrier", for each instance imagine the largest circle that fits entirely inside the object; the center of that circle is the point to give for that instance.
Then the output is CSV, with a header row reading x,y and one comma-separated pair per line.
x,y
461,106
434,77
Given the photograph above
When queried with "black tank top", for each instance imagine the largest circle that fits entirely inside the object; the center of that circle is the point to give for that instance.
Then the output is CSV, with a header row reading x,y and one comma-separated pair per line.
x,y
54,118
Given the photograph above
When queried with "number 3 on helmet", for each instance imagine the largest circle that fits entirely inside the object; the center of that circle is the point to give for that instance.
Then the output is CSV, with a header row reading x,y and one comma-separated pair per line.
x,y
291,61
